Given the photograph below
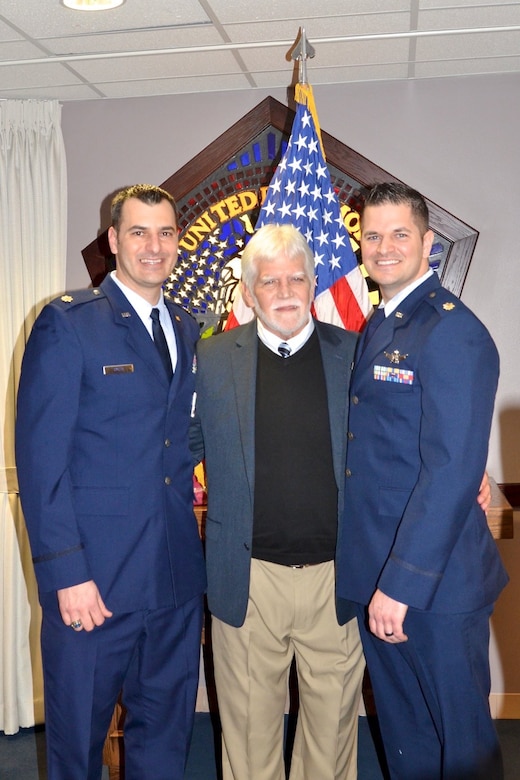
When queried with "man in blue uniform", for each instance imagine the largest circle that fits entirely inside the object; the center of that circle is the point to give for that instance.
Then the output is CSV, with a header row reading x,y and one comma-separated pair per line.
x,y
105,479
415,552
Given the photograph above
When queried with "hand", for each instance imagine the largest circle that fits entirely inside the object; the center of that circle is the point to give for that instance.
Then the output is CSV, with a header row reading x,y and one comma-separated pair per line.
x,y
82,603
386,617
484,496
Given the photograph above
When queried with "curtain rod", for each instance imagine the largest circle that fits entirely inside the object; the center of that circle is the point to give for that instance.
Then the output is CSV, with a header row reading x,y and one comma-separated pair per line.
x,y
256,45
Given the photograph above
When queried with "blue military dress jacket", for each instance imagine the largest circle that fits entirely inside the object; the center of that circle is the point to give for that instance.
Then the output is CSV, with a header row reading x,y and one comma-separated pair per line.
x,y
421,403
104,467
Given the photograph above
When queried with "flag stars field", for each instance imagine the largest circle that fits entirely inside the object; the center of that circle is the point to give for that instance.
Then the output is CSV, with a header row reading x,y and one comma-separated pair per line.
x,y
301,193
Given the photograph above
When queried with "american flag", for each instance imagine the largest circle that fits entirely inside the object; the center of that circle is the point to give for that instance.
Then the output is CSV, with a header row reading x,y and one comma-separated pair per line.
x,y
301,193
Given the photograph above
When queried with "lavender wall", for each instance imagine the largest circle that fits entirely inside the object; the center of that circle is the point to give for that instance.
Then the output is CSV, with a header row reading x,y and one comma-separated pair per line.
x,y
455,140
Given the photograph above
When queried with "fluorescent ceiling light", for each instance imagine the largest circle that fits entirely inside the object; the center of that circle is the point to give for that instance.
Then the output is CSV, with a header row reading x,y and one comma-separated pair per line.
x,y
92,5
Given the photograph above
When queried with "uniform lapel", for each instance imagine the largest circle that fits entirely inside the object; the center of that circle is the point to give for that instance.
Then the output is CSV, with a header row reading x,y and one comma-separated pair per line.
x,y
182,350
381,338
386,332
137,337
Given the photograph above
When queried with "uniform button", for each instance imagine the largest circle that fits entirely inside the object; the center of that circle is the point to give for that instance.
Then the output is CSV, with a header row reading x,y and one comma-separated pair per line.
x,y
167,481
355,399
348,473
167,442
350,435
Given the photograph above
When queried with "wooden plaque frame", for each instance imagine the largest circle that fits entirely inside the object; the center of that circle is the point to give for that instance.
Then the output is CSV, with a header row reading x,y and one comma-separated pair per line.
x,y
201,182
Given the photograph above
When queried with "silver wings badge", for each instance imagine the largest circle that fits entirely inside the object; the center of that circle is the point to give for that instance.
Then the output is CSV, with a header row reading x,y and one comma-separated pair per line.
x,y
395,356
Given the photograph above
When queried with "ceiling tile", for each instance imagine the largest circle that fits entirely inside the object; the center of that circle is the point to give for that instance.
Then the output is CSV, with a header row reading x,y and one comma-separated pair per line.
x,y
468,46
174,86
48,51
485,16
48,18
300,11
134,41
158,66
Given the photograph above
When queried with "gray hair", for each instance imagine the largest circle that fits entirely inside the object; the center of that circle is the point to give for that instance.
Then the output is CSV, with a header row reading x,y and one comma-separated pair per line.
x,y
270,241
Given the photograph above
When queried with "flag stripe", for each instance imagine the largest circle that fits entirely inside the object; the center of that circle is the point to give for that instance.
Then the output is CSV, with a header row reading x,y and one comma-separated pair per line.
x,y
301,193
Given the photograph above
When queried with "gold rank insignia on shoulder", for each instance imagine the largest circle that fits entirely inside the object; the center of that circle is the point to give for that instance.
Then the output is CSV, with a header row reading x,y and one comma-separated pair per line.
x,y
448,306
67,298
395,356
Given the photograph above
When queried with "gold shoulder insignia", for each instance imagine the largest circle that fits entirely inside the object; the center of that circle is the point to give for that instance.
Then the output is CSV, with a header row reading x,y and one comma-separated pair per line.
x,y
448,306
67,298
95,291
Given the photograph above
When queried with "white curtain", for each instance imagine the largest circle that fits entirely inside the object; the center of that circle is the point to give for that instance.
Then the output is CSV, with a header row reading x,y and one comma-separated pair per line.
x,y
33,226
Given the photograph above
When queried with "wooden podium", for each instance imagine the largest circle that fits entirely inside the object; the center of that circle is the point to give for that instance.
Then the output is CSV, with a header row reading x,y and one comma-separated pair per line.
x,y
113,749
499,514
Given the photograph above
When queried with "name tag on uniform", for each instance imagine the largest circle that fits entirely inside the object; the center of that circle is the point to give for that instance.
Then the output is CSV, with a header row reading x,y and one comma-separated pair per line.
x,y
124,368
403,376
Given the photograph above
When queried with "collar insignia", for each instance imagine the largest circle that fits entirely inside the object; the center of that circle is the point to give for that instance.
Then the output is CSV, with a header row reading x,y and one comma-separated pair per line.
x,y
448,306
399,315
125,314
395,356
67,298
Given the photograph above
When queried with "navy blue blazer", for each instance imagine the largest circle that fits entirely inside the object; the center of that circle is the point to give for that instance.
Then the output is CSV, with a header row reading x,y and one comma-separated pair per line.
x,y
223,433
421,403
104,466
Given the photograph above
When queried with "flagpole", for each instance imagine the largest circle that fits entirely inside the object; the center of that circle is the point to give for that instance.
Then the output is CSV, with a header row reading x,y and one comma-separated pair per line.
x,y
301,52
301,193
303,93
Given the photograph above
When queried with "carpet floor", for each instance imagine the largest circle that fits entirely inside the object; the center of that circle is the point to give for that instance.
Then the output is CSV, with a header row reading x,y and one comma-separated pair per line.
x,y
22,756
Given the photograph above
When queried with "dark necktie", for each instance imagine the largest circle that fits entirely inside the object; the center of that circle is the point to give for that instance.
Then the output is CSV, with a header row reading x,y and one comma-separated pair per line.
x,y
374,322
161,344
284,349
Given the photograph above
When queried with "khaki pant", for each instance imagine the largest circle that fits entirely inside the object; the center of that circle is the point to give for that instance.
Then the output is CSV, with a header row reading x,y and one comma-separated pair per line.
x,y
291,613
